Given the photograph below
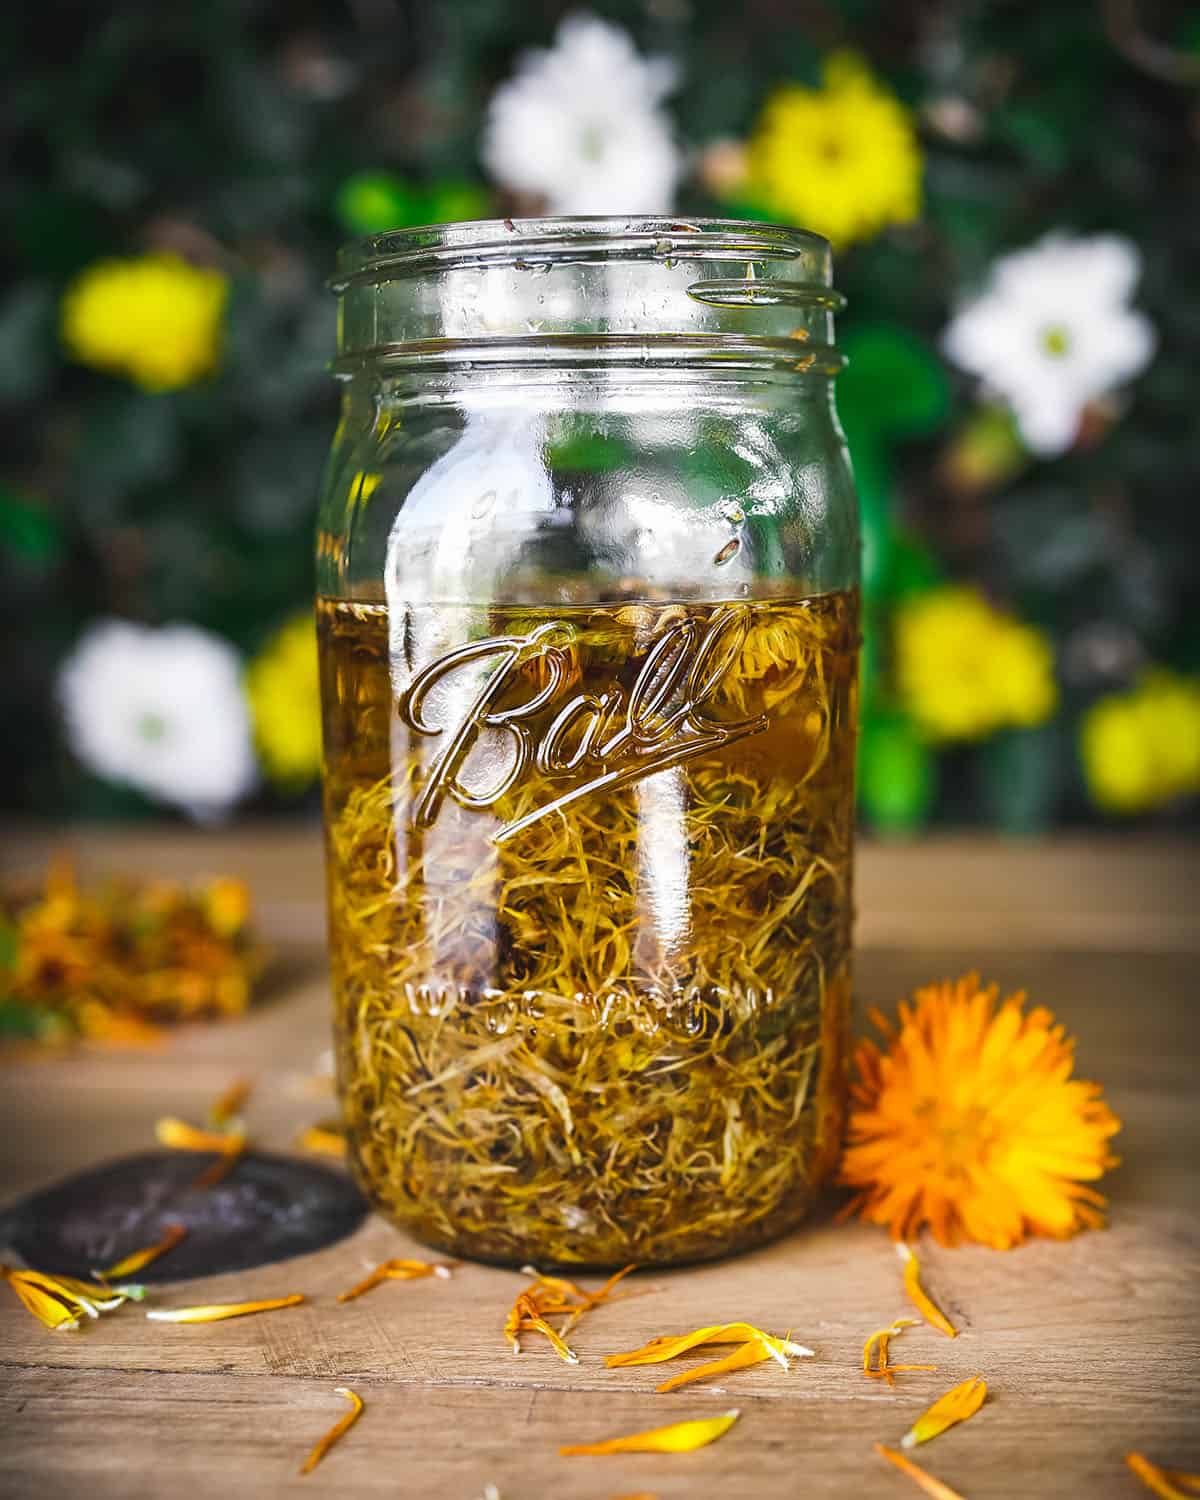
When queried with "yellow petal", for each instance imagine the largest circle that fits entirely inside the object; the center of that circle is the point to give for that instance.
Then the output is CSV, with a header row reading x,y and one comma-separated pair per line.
x,y
338,1430
560,1345
53,1311
956,1405
172,1234
665,1347
323,1140
1169,1484
753,1352
180,1136
918,1295
925,1481
679,1437
397,1270
214,1312
230,1104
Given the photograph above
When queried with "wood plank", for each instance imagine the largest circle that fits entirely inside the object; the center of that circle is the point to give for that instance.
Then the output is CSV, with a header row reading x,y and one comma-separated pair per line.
x,y
1088,1346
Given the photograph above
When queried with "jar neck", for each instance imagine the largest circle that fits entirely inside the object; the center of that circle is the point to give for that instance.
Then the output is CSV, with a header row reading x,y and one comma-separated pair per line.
x,y
621,290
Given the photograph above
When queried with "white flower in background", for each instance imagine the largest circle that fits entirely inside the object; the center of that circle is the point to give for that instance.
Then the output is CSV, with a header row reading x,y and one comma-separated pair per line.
x,y
580,125
162,710
1054,330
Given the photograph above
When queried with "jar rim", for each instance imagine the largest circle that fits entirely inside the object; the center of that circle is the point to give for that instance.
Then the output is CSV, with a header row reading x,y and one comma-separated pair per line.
x,y
401,253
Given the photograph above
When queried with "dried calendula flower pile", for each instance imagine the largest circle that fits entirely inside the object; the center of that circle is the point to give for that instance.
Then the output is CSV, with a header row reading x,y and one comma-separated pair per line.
x,y
115,963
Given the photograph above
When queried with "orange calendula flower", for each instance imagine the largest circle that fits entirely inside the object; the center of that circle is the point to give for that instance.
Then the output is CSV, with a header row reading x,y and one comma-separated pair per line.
x,y
216,1312
398,1270
58,1301
877,1347
919,1297
917,1474
969,1121
171,1236
956,1405
1169,1484
679,1437
338,1430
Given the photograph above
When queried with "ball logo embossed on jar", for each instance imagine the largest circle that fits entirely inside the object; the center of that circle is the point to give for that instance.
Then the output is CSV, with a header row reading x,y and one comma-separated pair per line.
x,y
618,735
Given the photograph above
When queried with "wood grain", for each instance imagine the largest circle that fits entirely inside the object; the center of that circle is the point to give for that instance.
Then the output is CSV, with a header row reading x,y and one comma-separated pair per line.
x,y
1089,1347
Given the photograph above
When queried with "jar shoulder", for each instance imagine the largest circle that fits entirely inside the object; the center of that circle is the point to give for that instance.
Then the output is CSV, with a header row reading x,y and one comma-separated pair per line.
x,y
705,491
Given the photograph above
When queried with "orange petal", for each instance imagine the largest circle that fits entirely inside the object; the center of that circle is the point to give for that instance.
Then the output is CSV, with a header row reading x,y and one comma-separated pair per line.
x,y
959,1403
665,1347
1170,1484
927,1482
216,1311
53,1309
880,1336
171,1236
338,1430
753,1352
230,1103
679,1437
918,1295
323,1140
397,1270
180,1136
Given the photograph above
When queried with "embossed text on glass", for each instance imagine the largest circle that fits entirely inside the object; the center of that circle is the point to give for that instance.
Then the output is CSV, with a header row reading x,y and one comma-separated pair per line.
x,y
609,737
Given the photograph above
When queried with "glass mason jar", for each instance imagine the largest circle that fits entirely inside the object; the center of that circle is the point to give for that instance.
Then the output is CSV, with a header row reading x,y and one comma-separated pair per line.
x,y
587,568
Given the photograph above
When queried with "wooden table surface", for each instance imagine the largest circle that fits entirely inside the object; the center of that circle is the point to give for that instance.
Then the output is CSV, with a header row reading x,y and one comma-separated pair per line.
x,y
1089,1347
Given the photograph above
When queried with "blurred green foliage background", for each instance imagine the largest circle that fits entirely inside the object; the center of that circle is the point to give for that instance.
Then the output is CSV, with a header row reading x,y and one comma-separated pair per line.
x,y
251,138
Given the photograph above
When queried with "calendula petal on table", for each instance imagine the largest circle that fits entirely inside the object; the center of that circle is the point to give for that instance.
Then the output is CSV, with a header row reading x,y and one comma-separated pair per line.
x,y
959,1403
171,1236
669,1346
215,1312
1168,1484
917,1474
920,1298
753,1352
338,1430
679,1437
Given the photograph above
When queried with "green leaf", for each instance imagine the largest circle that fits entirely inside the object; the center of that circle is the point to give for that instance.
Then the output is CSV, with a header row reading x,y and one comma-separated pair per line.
x,y
893,385
913,567
587,453
455,200
29,530
21,1023
897,775
373,202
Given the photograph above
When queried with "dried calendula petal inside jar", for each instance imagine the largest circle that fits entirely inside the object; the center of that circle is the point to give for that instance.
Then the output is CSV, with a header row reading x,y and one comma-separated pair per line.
x,y
590,909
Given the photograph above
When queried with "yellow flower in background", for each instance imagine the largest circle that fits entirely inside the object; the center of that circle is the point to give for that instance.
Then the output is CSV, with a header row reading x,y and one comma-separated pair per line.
x,y
156,319
1141,749
842,159
283,687
964,669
